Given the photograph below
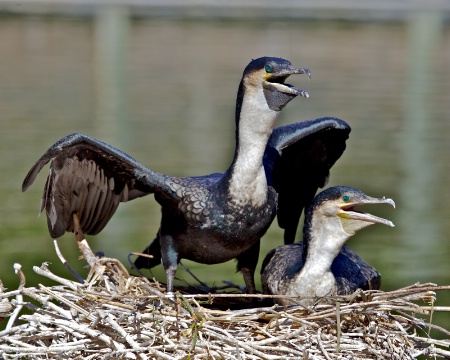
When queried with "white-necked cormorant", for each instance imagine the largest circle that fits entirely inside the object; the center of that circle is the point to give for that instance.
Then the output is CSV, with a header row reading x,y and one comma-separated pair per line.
x,y
322,265
213,218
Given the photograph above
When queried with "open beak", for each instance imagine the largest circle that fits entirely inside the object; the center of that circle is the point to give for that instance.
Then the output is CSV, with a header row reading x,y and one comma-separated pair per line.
x,y
275,81
348,211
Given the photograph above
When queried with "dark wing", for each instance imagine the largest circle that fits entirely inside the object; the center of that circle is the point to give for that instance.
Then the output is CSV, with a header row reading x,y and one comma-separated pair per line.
x,y
352,273
297,161
280,266
90,178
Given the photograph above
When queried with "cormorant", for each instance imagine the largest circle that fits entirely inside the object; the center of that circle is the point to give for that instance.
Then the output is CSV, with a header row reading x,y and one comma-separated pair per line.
x,y
322,265
208,219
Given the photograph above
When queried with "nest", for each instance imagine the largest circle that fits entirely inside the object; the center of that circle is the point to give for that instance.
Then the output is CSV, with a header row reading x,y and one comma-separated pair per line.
x,y
113,315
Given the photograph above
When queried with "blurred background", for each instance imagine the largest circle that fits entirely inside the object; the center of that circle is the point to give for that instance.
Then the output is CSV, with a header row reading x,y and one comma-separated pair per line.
x,y
158,80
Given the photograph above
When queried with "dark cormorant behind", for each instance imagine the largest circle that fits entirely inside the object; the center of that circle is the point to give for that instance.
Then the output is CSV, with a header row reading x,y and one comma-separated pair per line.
x,y
322,265
212,218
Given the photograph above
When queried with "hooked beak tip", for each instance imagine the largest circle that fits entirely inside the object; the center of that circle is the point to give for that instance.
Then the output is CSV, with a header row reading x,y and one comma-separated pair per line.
x,y
303,71
389,201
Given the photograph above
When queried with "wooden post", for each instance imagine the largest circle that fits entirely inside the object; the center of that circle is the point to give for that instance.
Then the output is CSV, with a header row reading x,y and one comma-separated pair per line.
x,y
417,194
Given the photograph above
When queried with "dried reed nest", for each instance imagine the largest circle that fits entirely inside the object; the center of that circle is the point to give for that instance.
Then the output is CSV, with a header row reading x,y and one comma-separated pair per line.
x,y
113,315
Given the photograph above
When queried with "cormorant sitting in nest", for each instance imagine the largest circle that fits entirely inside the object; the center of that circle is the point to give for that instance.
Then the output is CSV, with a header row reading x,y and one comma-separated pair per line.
x,y
322,265
213,218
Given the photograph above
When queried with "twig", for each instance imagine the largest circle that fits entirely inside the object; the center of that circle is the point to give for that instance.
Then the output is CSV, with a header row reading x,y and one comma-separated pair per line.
x,y
322,348
229,339
120,316
431,317
52,307
83,245
19,296
69,303
44,271
338,326
281,337
84,329
65,263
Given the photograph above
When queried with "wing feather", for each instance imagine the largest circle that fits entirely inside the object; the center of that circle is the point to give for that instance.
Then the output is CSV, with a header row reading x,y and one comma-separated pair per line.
x,y
297,160
90,178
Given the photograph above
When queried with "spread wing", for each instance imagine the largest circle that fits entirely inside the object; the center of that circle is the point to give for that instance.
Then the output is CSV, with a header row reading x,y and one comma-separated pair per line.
x,y
297,160
90,178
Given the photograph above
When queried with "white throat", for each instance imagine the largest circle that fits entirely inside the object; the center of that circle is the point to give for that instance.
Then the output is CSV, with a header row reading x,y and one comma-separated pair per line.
x,y
316,279
248,184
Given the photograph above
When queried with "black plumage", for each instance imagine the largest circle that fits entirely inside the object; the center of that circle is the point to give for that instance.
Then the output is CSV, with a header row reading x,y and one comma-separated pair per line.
x,y
322,265
212,218
300,165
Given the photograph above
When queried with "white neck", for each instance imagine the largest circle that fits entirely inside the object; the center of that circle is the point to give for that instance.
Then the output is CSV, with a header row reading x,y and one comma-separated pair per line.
x,y
327,238
248,184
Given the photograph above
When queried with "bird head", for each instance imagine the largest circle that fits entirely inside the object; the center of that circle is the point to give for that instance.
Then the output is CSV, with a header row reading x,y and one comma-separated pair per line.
x,y
332,219
342,201
270,73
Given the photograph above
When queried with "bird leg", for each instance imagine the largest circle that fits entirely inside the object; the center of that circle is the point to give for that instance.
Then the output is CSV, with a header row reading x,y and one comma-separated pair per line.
x,y
246,264
82,242
169,259
249,279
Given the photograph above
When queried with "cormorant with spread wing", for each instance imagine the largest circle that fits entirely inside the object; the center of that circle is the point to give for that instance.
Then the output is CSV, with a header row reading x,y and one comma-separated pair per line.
x,y
213,218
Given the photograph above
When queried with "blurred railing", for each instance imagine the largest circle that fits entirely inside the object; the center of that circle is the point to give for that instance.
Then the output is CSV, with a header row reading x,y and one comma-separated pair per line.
x,y
287,9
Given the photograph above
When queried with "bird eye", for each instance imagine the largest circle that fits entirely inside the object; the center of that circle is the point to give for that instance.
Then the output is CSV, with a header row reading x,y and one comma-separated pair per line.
x,y
268,68
346,198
